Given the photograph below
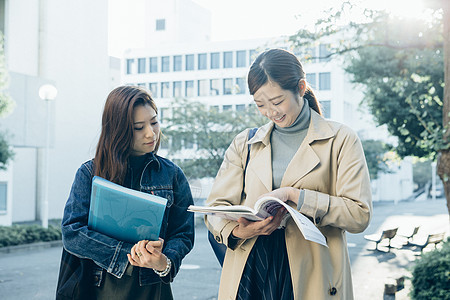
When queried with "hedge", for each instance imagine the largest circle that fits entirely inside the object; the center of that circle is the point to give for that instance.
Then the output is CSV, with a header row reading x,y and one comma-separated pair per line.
x,y
431,275
26,234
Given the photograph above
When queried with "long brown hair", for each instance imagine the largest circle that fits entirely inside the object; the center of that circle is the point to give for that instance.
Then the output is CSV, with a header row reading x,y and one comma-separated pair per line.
x,y
285,69
116,138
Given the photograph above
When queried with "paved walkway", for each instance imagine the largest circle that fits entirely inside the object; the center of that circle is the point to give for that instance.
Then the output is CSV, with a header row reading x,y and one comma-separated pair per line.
x,y
32,273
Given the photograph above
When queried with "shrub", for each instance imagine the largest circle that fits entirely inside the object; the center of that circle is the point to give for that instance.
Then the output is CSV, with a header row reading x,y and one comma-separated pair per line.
x,y
26,234
431,275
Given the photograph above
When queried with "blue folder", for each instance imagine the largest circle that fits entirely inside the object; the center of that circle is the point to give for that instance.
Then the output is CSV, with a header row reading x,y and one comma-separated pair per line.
x,y
125,214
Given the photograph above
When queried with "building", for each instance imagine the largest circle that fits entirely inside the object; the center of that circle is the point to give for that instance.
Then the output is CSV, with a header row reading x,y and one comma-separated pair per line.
x,y
64,43
180,61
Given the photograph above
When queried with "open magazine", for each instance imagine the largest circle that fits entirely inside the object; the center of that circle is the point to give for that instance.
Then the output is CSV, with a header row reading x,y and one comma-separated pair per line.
x,y
263,208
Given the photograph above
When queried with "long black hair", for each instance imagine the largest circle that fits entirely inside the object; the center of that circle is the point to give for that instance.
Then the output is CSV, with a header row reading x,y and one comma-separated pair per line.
x,y
285,69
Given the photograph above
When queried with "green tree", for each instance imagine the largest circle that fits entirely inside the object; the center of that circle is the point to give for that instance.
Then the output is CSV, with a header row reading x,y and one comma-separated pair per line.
x,y
6,105
375,156
403,65
210,130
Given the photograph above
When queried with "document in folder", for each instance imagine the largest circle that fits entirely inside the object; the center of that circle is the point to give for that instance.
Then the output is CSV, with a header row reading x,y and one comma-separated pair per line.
x,y
125,214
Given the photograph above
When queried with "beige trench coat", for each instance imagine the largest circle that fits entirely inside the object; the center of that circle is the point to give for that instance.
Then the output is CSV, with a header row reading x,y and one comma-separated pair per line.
x,y
330,166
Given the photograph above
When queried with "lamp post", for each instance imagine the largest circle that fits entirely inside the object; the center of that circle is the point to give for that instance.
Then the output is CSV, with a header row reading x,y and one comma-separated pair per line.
x,y
47,92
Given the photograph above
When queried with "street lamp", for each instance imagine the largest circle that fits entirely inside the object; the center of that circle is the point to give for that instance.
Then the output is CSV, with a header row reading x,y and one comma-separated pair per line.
x,y
47,92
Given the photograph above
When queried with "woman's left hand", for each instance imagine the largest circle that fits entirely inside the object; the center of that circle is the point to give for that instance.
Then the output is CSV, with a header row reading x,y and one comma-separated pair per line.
x,y
148,254
284,194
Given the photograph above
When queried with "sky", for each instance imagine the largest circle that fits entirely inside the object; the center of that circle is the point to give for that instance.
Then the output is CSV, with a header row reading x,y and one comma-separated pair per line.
x,y
240,19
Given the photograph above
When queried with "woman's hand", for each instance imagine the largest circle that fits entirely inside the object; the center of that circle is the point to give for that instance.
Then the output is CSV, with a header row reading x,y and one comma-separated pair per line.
x,y
148,254
248,229
285,194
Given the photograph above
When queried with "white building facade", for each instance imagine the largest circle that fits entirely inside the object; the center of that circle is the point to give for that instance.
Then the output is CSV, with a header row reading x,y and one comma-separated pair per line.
x,y
179,63
64,43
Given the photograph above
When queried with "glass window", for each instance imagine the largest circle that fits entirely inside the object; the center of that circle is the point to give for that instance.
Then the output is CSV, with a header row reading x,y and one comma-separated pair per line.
x,y
160,24
326,108
310,53
189,62
141,65
214,87
252,56
3,196
215,60
189,88
141,84
177,89
203,87
323,53
177,63
324,81
227,86
227,107
214,108
240,58
202,61
240,107
130,62
228,59
165,90
311,79
188,143
153,87
165,64
240,85
153,64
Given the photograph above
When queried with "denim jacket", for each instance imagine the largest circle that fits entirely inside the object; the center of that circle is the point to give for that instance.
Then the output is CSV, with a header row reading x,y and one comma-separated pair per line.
x,y
160,177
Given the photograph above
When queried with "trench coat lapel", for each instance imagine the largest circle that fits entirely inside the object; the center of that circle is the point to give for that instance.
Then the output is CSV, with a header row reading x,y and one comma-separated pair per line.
x,y
306,158
260,162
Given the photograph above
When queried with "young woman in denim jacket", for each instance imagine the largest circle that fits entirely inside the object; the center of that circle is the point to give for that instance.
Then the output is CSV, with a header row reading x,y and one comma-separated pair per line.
x,y
126,155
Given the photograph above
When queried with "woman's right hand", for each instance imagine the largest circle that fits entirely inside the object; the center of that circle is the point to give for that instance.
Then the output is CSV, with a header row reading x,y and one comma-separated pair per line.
x,y
248,229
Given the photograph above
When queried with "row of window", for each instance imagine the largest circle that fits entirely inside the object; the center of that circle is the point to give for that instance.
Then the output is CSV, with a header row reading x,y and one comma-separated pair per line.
x,y
190,62
215,87
200,88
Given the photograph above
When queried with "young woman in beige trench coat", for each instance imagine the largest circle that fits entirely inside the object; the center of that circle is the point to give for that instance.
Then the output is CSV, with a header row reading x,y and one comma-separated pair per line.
x,y
318,167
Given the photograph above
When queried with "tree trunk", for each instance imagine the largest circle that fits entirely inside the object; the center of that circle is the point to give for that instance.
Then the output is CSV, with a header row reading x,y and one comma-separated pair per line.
x,y
443,163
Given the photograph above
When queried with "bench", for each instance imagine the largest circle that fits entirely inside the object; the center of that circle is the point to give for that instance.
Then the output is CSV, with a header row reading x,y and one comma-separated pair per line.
x,y
388,234
410,236
434,238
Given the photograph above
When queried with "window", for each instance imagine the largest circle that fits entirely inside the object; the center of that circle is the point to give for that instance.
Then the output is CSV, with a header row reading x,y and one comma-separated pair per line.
x,y
252,56
153,64
240,85
203,87
323,53
214,108
141,84
189,88
141,65
177,63
311,79
227,107
227,86
188,142
165,90
310,54
202,61
177,89
160,24
153,87
326,108
240,59
130,63
165,64
324,81
215,60
214,87
228,59
189,62
240,107
3,196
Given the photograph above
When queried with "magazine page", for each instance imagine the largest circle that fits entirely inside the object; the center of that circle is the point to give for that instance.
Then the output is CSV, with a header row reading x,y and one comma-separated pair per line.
x,y
230,212
307,228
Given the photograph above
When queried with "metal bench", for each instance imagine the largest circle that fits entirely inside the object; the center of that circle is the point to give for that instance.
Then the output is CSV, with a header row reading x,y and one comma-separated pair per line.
x,y
388,234
434,238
